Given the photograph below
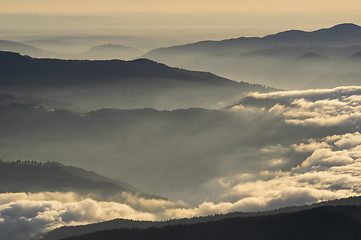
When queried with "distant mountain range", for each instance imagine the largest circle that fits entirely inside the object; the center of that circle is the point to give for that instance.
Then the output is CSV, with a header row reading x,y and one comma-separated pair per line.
x,y
273,60
116,83
69,50
111,51
253,225
23,48
339,35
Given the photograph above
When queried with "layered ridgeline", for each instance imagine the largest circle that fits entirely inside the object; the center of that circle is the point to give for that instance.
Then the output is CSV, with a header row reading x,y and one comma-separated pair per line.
x,y
70,50
287,60
24,48
116,83
309,221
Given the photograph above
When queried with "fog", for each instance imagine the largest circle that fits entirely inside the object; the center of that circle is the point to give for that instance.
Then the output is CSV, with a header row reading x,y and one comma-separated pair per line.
x,y
268,151
187,147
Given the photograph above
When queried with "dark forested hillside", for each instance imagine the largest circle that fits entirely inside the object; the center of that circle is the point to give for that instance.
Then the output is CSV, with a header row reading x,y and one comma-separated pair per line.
x,y
73,231
32,176
18,69
342,222
116,83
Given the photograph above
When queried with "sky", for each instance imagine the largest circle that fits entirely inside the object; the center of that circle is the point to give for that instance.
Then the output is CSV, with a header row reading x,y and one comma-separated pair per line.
x,y
166,6
165,23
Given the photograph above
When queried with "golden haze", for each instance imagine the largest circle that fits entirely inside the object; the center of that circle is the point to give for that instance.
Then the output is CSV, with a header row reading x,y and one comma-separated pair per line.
x,y
169,6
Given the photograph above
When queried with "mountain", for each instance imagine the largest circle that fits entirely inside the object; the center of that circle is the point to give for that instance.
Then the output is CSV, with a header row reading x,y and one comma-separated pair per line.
x,y
273,60
321,223
50,72
23,48
339,35
343,206
32,176
112,51
116,83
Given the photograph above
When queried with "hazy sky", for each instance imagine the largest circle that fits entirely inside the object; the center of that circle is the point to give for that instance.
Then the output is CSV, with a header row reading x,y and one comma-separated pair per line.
x,y
167,6
159,23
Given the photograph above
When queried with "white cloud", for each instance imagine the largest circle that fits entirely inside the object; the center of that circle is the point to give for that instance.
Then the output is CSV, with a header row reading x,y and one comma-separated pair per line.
x,y
349,140
323,107
327,157
32,214
309,146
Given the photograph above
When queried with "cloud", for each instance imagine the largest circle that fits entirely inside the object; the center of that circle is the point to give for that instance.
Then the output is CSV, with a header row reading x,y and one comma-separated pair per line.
x,y
322,107
25,215
349,140
327,157
327,173
337,92
309,146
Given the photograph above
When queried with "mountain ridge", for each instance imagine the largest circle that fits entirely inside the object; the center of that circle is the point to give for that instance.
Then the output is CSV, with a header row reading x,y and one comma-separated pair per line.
x,y
72,231
293,35
93,84
32,176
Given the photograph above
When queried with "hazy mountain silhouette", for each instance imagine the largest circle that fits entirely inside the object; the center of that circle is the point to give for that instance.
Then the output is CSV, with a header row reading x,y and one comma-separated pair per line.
x,y
349,209
312,56
32,176
112,51
116,83
22,48
339,35
273,60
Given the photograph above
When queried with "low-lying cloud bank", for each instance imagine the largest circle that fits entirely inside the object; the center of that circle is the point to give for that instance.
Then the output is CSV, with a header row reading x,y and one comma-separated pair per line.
x,y
28,215
330,168
322,107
